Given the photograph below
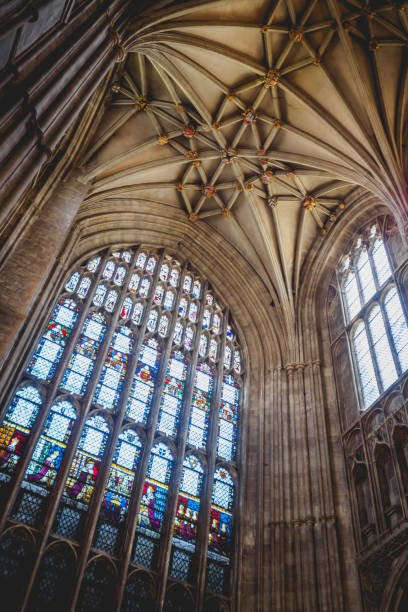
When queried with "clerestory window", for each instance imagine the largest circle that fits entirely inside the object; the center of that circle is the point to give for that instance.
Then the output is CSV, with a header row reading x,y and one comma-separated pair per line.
x,y
374,315
122,438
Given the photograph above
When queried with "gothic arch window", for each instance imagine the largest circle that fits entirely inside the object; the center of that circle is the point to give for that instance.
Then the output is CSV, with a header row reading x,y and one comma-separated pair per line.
x,y
374,315
121,438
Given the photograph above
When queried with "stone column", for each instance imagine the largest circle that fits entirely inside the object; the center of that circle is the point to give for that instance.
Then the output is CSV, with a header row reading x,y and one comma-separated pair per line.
x,y
33,257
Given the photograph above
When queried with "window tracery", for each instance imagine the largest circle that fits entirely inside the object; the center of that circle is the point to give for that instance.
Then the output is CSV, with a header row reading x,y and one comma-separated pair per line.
x,y
374,316
129,409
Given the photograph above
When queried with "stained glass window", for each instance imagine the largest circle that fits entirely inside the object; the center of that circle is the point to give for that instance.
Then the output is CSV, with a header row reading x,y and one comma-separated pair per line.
x,y
375,320
123,388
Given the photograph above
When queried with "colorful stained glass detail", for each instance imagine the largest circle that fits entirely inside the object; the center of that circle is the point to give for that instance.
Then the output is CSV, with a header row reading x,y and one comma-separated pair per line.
x,y
99,295
178,333
113,372
192,312
213,350
126,256
134,282
144,288
186,519
108,270
188,338
228,422
121,476
187,283
111,301
119,275
168,300
206,318
126,308
209,299
141,260
158,295
163,326
73,281
173,390
93,264
83,288
196,289
152,320
85,466
137,313
188,502
174,277
201,406
230,333
237,362
151,264
216,324
219,538
53,341
164,272
16,427
49,450
141,393
202,347
227,357
82,361
153,504
183,307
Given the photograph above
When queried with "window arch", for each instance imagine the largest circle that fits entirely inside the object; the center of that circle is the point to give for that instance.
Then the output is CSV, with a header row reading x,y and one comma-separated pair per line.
x,y
123,431
374,316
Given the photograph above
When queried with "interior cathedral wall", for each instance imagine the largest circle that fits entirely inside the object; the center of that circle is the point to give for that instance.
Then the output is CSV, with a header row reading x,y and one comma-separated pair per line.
x,y
300,539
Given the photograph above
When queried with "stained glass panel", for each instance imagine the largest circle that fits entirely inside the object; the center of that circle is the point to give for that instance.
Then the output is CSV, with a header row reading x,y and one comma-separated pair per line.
x,y
118,490
15,429
192,312
111,300
152,320
168,300
188,338
365,366
187,283
178,332
151,264
99,295
366,276
219,539
49,450
141,259
352,296
381,263
52,344
164,272
174,277
113,372
196,289
82,361
398,325
141,393
73,281
134,282
173,390
85,466
93,263
183,307
228,421
144,288
108,270
119,275
201,406
137,313
158,294
385,362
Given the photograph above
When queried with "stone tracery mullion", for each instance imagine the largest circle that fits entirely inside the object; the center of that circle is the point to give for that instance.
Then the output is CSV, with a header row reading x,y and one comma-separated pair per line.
x,y
131,523
54,388
181,450
207,489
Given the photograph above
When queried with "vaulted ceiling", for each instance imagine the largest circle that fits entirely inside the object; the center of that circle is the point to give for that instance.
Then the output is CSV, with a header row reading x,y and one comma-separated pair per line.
x,y
259,118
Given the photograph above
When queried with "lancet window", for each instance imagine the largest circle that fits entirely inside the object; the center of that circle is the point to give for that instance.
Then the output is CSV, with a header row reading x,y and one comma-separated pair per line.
x,y
374,315
121,438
